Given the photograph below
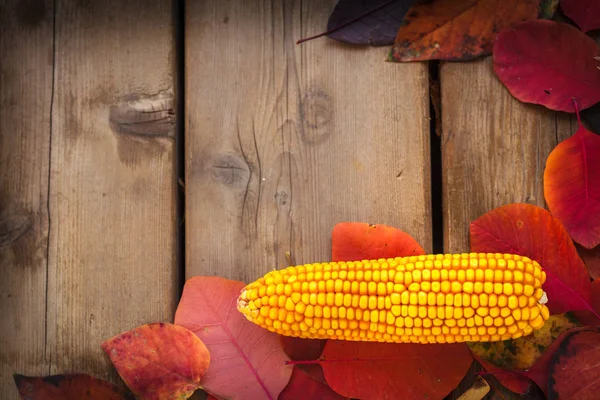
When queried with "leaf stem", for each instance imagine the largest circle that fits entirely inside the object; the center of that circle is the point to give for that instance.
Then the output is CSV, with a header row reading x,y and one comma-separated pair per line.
x,y
323,360
345,24
577,111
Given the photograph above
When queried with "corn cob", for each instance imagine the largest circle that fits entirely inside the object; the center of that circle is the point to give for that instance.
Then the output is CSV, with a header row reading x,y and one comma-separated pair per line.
x,y
443,298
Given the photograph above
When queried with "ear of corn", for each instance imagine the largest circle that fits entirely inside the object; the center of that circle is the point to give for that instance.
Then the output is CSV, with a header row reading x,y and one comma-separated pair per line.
x,y
421,299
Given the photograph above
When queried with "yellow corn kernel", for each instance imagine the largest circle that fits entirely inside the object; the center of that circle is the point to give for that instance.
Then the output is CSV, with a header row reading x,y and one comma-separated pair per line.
x,y
523,301
363,302
431,299
474,301
537,322
482,311
413,299
545,312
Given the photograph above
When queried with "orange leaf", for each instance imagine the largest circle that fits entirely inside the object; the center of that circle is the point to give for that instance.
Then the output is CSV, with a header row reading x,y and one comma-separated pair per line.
x,y
457,29
370,370
572,186
68,387
531,231
355,241
302,387
159,361
247,361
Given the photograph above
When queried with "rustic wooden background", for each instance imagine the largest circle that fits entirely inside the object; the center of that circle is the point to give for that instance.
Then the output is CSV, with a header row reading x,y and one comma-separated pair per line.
x,y
277,142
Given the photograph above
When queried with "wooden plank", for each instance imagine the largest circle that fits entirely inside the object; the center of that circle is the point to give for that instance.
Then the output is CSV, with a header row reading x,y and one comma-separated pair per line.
x,y
283,141
494,147
25,94
494,151
112,193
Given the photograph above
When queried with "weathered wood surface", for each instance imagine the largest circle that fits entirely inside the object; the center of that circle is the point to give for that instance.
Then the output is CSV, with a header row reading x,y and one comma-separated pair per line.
x,y
25,95
88,164
283,141
494,147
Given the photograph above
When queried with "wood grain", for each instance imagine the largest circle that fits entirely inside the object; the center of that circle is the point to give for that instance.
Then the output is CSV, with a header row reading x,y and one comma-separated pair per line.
x,y
25,96
494,147
112,192
285,140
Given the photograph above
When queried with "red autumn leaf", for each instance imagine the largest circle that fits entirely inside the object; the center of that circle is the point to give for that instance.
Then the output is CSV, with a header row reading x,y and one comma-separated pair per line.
x,y
371,370
591,258
247,361
531,231
355,241
299,349
552,74
572,186
457,29
540,372
513,381
585,13
576,367
586,317
159,361
68,387
302,387
596,295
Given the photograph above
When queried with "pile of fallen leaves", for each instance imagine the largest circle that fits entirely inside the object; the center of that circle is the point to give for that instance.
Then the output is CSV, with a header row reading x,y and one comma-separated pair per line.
x,y
211,346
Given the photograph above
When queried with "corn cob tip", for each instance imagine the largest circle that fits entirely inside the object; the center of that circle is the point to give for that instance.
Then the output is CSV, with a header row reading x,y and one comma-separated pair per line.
x,y
242,305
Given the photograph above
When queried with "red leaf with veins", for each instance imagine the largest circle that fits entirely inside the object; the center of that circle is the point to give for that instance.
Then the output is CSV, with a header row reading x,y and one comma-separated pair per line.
x,y
575,369
551,74
531,231
540,372
247,361
572,186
